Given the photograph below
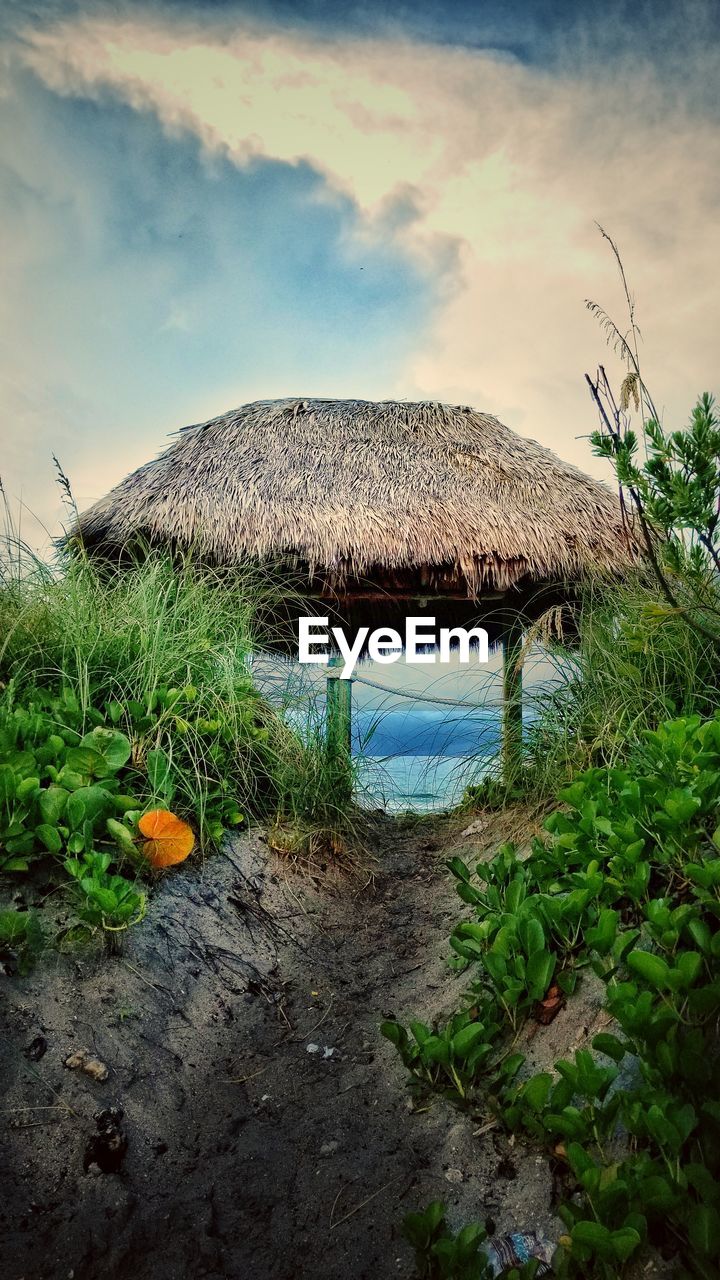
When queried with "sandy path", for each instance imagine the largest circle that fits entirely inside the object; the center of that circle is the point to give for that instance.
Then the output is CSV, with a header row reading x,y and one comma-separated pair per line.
x,y
248,1156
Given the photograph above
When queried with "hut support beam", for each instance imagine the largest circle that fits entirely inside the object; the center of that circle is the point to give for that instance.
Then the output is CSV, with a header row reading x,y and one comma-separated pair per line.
x,y
339,724
512,644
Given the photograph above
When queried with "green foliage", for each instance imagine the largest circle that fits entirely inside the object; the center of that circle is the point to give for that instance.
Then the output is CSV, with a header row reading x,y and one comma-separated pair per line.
x,y
21,938
107,901
647,646
672,487
157,651
442,1255
57,787
447,1061
125,687
312,783
627,881
60,797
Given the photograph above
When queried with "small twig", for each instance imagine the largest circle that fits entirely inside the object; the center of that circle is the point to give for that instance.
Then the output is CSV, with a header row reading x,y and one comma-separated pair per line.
x,y
155,985
281,1011
334,1203
303,1035
34,1124
362,1204
11,1111
61,1100
243,1079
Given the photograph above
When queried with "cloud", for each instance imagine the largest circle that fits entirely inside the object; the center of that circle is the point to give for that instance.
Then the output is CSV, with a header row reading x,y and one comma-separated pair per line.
x,y
490,172
151,285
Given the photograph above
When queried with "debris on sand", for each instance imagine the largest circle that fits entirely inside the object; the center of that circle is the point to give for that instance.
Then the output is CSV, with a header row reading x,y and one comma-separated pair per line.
x,y
107,1148
545,1011
83,1060
328,1051
516,1249
36,1049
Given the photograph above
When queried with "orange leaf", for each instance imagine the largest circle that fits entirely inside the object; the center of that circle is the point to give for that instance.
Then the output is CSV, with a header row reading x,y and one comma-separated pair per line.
x,y
169,839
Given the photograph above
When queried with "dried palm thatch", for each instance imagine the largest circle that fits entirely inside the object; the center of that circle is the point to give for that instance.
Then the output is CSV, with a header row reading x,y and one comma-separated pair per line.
x,y
413,498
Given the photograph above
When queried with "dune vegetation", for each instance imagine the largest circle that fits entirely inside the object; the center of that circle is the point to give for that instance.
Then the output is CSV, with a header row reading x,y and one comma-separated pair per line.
x,y
623,884
128,691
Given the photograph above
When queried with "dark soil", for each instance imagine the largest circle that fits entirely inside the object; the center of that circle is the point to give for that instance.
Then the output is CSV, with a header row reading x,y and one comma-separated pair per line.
x,y
253,1125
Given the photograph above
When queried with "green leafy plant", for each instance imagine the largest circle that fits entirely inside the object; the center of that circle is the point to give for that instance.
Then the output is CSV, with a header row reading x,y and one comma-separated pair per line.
x,y
56,786
626,881
441,1254
669,480
21,938
446,1060
673,492
106,901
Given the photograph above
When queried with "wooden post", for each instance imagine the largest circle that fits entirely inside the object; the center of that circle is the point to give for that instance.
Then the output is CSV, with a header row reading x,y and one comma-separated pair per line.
x,y
512,643
338,724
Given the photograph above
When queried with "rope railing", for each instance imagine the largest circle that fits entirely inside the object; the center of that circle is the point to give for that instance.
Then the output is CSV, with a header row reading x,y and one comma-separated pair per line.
x,y
426,697
414,694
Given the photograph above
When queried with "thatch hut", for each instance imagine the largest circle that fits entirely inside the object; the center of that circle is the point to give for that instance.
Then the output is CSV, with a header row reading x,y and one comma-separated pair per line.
x,y
381,509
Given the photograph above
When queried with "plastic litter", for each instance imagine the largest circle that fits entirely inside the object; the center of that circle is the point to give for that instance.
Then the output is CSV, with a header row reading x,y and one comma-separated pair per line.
x,y
327,1052
511,1251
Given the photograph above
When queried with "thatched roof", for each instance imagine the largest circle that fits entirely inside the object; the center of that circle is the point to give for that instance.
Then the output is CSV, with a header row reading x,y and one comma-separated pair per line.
x,y
349,489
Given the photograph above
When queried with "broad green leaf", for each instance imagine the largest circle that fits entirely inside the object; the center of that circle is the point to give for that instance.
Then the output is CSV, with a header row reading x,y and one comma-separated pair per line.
x,y
657,1193
594,1236
8,783
393,1032
467,1038
13,926
84,760
579,1160
122,837
649,967
111,746
681,804
602,935
515,894
537,1090
467,1241
436,1049
540,969
609,1044
459,869
704,1230
158,770
686,970
52,803
27,789
624,1242
95,801
532,935
49,836
106,899
700,933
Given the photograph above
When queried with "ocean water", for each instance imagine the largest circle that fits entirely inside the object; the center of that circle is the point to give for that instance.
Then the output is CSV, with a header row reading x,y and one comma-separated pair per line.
x,y
419,784
418,741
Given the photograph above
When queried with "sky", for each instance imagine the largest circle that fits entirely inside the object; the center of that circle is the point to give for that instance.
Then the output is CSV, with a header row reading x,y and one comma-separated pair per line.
x,y
203,204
